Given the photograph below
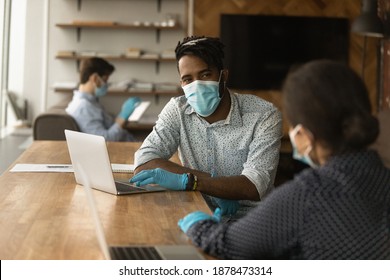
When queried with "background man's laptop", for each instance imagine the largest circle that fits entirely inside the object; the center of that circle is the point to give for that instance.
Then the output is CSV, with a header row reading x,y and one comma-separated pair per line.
x,y
90,152
159,252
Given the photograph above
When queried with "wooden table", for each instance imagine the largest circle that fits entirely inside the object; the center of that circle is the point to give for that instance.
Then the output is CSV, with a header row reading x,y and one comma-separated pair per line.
x,y
46,215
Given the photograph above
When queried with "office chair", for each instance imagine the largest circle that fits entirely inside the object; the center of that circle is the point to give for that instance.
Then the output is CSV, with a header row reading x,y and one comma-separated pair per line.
x,y
51,125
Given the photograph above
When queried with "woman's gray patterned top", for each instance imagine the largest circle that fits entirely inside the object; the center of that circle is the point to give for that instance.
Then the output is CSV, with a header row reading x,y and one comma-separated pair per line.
x,y
338,211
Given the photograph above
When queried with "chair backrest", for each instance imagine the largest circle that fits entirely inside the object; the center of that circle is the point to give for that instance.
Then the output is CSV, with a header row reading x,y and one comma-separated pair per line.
x,y
51,125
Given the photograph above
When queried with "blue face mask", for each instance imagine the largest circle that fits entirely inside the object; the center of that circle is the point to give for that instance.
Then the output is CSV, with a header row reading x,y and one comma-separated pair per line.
x,y
102,90
305,158
203,96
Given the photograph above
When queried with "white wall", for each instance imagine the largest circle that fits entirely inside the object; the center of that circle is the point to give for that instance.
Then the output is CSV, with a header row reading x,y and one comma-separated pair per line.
x,y
36,40
35,70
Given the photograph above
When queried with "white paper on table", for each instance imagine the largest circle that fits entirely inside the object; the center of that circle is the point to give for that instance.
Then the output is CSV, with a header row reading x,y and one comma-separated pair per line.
x,y
33,167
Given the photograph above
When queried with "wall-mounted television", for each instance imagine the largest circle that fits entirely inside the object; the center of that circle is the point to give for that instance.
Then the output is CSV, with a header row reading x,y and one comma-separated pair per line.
x,y
260,50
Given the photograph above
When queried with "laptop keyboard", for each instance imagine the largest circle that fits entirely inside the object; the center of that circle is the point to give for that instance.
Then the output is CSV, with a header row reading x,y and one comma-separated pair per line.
x,y
123,187
134,253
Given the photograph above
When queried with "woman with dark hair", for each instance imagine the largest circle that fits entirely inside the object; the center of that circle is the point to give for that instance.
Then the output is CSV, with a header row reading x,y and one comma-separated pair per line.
x,y
340,208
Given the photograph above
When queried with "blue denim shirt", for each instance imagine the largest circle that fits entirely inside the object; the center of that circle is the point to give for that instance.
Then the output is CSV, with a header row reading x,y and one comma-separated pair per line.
x,y
93,119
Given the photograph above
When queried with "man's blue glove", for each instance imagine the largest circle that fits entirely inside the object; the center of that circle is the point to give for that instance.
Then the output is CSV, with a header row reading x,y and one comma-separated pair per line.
x,y
166,179
228,207
128,107
195,217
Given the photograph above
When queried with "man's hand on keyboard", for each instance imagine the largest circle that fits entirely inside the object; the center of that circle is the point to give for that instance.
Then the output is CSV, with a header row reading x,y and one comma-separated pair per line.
x,y
166,179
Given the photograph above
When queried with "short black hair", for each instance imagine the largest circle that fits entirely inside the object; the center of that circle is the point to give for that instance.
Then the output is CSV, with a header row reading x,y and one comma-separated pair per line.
x,y
92,65
330,100
209,49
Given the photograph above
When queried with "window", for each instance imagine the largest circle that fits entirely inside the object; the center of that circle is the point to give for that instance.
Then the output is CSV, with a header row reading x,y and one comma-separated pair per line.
x,y
5,9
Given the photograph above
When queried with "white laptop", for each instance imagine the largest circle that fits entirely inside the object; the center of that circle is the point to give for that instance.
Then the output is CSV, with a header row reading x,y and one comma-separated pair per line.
x,y
135,252
90,152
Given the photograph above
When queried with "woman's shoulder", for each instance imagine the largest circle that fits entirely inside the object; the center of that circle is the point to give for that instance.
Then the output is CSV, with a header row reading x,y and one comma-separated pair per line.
x,y
302,182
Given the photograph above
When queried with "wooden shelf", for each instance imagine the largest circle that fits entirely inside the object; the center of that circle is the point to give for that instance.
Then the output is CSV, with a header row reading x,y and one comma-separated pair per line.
x,y
120,58
157,60
158,5
127,92
117,26
113,25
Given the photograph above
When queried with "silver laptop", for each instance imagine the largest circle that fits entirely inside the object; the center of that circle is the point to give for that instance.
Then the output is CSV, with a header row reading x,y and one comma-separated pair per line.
x,y
153,252
90,152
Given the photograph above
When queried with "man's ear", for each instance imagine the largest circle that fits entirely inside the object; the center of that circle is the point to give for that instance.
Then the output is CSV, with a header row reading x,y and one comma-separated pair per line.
x,y
94,78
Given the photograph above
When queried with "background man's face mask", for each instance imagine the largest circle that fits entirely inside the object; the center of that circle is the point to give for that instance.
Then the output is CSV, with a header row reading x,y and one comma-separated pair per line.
x,y
102,90
203,96
305,158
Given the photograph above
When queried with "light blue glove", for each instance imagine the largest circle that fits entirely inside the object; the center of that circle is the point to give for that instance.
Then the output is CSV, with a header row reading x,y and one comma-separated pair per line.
x,y
228,207
128,107
166,179
195,217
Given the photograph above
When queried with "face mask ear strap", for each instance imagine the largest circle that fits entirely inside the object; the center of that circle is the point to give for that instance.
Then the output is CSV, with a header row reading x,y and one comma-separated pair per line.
x,y
102,81
295,130
222,92
308,150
